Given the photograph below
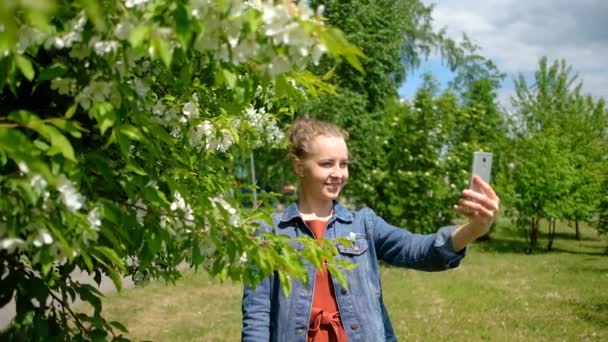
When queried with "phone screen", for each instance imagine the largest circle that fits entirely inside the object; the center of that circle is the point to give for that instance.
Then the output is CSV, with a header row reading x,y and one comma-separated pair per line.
x,y
482,167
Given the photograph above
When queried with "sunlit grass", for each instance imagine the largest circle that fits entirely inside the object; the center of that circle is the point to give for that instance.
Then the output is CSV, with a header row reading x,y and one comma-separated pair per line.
x,y
498,293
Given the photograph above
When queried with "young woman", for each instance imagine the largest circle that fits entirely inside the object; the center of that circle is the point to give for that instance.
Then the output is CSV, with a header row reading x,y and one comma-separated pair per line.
x,y
324,310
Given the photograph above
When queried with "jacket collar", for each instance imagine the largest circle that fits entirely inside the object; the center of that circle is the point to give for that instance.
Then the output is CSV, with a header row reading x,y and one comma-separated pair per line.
x,y
340,212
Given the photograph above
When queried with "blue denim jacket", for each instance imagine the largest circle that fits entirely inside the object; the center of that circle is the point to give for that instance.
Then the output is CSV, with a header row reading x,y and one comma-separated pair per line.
x,y
268,315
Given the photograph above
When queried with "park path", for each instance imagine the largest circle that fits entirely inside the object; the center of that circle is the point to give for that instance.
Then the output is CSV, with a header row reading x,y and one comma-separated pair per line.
x,y
105,286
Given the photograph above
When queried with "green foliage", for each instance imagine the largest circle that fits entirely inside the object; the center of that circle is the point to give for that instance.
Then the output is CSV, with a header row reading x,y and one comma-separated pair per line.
x,y
428,152
121,132
558,148
394,37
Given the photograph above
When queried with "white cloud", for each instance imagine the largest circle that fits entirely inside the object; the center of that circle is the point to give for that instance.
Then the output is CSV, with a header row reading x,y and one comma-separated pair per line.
x,y
515,34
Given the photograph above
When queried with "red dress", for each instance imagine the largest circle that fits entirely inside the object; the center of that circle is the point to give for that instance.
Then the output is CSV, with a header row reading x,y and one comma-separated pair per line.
x,y
325,324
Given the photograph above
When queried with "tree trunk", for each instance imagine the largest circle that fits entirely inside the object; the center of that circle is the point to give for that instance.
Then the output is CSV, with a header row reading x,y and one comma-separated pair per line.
x,y
533,234
552,222
578,233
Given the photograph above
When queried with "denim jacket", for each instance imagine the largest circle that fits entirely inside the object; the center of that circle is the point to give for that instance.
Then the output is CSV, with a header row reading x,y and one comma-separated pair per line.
x,y
269,315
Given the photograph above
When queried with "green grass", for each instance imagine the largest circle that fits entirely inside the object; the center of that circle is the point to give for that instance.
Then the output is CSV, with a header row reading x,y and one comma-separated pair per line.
x,y
498,294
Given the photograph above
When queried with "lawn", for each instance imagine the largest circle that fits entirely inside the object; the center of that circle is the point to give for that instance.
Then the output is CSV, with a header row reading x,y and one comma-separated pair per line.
x,y
498,294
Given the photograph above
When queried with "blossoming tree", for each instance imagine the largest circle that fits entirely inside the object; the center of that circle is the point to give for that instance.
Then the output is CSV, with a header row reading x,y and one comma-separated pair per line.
x,y
121,124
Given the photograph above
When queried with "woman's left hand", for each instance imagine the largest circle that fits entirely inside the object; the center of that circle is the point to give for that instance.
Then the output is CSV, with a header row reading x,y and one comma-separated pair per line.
x,y
480,207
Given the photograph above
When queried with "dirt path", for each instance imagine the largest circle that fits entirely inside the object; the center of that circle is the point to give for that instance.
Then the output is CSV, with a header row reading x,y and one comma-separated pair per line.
x,y
106,286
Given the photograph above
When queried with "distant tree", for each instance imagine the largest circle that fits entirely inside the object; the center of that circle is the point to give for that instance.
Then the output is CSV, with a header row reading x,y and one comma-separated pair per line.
x,y
554,177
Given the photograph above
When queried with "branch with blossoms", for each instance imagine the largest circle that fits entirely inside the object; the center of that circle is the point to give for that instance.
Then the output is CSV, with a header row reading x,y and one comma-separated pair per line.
x,y
149,107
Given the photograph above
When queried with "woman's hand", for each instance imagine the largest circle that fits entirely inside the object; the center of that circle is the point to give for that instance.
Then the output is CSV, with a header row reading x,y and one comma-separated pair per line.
x,y
480,207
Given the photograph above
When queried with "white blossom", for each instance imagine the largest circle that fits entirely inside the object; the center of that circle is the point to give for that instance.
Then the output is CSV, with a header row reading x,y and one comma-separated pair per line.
x,y
43,238
176,132
352,236
94,219
233,219
141,211
178,202
10,244
134,3
140,87
164,221
105,47
159,108
317,52
122,30
38,183
97,91
23,167
243,258
27,37
278,65
69,196
190,109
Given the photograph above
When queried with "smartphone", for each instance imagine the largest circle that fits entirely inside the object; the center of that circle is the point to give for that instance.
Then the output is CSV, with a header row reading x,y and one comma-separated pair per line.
x,y
482,167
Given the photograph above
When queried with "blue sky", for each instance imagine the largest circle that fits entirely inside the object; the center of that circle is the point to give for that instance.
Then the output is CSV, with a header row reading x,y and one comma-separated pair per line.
x,y
515,34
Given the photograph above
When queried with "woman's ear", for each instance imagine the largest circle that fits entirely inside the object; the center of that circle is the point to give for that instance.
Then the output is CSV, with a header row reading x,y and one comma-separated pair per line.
x,y
298,168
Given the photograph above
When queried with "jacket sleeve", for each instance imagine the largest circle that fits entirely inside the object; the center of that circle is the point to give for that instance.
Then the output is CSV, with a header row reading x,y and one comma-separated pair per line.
x,y
256,312
256,305
399,247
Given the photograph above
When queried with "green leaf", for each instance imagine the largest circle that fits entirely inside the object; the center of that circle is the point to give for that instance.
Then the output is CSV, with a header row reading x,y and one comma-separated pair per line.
x,y
57,234
23,117
25,66
131,165
131,132
52,72
164,51
119,326
182,26
154,196
228,78
338,45
105,115
138,35
71,111
87,260
109,255
72,127
13,141
101,253
58,141
328,75
94,13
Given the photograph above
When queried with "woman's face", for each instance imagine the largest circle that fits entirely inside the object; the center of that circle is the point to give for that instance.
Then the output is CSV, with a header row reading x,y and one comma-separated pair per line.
x,y
324,171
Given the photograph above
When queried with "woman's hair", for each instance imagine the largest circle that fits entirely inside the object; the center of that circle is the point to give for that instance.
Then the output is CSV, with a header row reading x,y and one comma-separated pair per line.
x,y
304,130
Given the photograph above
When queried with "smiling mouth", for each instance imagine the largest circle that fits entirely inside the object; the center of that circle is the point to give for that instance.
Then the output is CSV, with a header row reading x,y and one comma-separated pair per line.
x,y
334,187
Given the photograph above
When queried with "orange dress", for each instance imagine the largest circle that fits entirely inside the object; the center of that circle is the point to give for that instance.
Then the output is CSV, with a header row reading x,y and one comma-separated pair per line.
x,y
325,324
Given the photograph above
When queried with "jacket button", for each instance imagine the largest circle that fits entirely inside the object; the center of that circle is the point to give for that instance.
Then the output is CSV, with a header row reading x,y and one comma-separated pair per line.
x,y
354,326
344,291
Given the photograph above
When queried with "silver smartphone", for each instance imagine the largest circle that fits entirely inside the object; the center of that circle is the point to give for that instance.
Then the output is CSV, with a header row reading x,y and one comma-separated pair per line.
x,y
482,167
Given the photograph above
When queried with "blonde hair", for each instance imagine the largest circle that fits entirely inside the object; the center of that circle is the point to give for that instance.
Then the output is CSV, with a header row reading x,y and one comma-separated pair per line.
x,y
304,130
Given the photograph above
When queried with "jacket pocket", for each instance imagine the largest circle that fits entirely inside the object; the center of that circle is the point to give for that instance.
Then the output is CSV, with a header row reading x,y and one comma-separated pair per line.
x,y
357,247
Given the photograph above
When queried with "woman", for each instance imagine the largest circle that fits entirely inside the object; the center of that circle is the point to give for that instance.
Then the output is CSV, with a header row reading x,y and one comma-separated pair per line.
x,y
324,310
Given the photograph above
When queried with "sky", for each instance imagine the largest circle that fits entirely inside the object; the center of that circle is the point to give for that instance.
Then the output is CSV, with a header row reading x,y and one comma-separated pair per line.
x,y
516,33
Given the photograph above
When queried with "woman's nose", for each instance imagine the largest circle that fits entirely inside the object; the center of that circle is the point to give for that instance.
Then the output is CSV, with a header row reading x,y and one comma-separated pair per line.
x,y
336,172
